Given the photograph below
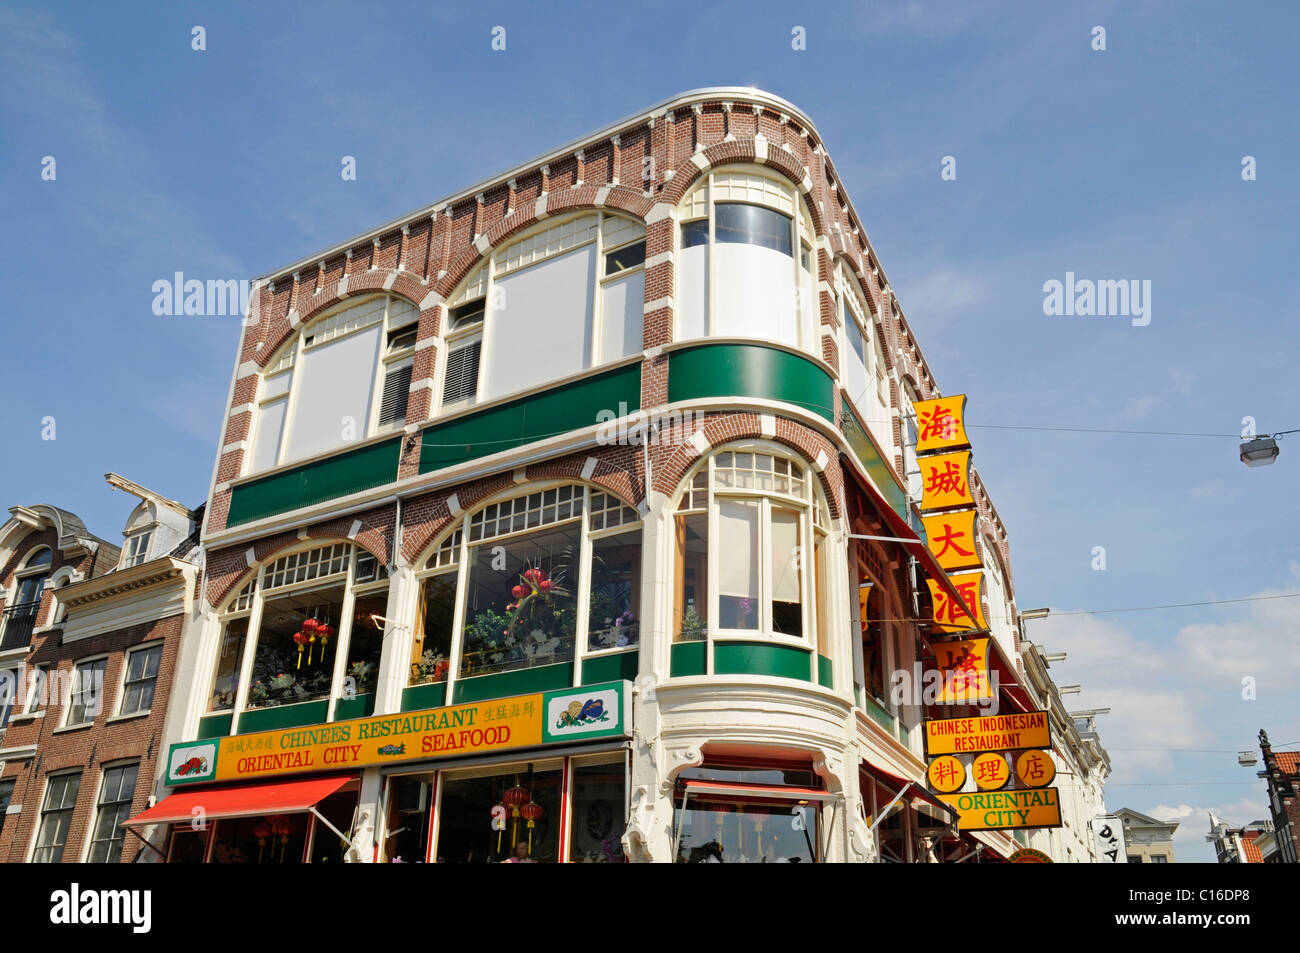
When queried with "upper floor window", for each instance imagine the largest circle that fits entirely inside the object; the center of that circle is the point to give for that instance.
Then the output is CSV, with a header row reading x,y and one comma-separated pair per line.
x,y
565,297
510,579
750,550
745,264
305,629
56,817
140,679
345,377
87,698
8,695
136,549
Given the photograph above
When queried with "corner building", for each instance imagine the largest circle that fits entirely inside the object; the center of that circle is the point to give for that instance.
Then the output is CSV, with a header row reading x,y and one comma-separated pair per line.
x,y
531,528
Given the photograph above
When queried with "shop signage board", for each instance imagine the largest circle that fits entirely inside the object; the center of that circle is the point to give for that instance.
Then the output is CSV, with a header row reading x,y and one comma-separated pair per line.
x,y
1005,810
1027,855
1035,769
951,617
964,670
954,539
1108,832
502,724
1012,732
945,481
941,424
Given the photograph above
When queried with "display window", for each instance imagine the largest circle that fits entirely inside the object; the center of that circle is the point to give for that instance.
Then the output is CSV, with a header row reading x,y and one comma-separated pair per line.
x,y
748,814
408,817
501,814
598,812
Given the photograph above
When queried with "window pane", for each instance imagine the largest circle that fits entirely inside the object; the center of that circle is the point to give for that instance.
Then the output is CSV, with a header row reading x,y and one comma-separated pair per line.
x,y
296,646
397,393
598,821
738,572
365,644
520,609
410,800
629,256
787,608
6,793
431,653
115,798
614,616
8,694
691,600
695,233
87,692
741,833
752,225
225,683
56,818
260,840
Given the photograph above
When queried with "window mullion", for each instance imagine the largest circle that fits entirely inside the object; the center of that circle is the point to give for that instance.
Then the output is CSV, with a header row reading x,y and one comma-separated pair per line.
x,y
765,566
251,637
582,598
709,264
458,614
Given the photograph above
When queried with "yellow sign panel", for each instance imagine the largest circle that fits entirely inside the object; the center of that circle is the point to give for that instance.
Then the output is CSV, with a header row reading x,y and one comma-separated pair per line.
x,y
946,774
465,729
1036,769
950,616
941,423
945,481
991,771
1005,810
964,668
954,539
1012,732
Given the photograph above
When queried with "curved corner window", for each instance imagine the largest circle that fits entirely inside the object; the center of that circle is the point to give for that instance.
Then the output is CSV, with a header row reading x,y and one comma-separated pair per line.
x,y
737,271
740,535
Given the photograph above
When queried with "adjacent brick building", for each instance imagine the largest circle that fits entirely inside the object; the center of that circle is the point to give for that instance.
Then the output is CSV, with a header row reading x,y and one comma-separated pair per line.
x,y
1282,771
89,647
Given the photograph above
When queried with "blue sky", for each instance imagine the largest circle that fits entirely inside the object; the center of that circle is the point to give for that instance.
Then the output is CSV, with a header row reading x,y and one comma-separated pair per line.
x,y
1117,164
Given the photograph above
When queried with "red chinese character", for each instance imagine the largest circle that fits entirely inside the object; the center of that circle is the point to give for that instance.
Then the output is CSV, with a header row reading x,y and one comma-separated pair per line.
x,y
940,423
948,539
945,774
992,770
949,481
1035,771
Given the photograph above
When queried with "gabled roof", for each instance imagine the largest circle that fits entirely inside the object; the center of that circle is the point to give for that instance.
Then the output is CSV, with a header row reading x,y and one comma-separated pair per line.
x,y
1288,761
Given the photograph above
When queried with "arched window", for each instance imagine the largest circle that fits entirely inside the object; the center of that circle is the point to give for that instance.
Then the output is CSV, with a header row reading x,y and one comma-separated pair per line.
x,y
745,264
345,377
25,603
307,627
745,527
536,579
564,297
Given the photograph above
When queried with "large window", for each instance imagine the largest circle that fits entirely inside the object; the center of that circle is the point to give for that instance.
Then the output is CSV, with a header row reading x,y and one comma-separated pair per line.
x,y
115,796
743,563
56,817
308,627
25,603
534,580
863,371
566,296
745,262
345,377
8,695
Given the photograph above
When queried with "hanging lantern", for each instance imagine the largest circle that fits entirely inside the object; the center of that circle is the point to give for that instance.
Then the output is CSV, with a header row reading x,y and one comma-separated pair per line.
x,y
310,626
325,632
545,585
282,827
300,638
262,831
532,813
518,592
515,798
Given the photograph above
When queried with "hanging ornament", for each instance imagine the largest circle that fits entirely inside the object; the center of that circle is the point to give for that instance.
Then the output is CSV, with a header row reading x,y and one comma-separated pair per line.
x,y
282,826
262,831
515,798
325,632
300,638
310,626
532,813
518,592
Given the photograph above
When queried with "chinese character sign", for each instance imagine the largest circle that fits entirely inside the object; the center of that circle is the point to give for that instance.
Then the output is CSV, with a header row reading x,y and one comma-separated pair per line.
x,y
945,481
952,617
941,424
965,670
991,771
946,774
1035,769
954,539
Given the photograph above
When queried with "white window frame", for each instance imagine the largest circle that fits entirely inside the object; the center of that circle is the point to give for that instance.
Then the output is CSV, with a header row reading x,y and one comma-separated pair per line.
x,y
75,681
126,668
703,196
135,550
38,685
290,361
88,842
79,773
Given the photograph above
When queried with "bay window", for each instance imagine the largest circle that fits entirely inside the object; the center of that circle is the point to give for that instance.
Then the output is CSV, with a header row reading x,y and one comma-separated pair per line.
x,y
864,372
345,377
564,297
743,566
307,627
738,274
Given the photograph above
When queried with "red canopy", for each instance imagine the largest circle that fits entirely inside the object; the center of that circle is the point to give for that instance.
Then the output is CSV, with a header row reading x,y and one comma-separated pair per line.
x,y
241,800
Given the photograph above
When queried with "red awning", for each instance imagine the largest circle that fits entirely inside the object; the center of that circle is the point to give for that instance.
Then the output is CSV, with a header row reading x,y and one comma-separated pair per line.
x,y
241,800
899,528
892,780
756,792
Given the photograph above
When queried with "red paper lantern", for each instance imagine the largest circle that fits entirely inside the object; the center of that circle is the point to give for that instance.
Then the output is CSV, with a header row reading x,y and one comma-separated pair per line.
x,y
283,826
531,812
545,585
309,626
326,632
514,798
518,592
262,831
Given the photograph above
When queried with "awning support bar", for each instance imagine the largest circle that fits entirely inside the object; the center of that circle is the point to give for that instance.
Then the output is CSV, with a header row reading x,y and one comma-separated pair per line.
x,y
321,817
890,806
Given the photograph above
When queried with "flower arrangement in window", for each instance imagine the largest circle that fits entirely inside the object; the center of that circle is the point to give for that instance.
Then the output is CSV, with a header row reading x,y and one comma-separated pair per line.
x,y
364,675
694,626
537,628
432,667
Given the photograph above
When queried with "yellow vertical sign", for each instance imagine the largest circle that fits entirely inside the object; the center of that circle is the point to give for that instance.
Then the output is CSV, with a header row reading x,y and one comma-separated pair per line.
x,y
964,668
954,539
945,481
950,616
941,424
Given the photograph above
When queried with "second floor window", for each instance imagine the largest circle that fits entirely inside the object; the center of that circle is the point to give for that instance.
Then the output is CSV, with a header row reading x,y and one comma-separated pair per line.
x,y
141,677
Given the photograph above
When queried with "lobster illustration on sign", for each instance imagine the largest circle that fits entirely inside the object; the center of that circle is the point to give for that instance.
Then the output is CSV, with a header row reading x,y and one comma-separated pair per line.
x,y
192,766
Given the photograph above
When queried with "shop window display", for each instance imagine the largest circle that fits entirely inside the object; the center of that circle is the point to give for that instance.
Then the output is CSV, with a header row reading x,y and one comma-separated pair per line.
x,y
598,813
365,643
737,831
615,591
277,839
296,648
496,817
406,832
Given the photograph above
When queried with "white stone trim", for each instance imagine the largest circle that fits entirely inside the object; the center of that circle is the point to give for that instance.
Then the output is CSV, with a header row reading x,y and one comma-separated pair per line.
x,y
767,425
589,467
354,529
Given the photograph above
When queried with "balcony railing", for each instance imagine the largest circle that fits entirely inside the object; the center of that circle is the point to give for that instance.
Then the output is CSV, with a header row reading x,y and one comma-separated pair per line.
x,y
19,621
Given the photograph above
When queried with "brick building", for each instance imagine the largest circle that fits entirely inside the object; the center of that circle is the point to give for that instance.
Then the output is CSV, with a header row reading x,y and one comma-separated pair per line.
x,y
91,636
580,501
1282,771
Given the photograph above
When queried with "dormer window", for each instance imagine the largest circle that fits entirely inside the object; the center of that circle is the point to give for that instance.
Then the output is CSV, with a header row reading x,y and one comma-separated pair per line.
x,y
136,549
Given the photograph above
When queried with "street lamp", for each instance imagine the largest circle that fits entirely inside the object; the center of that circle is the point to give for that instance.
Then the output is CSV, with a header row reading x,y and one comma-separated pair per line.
x,y
1259,452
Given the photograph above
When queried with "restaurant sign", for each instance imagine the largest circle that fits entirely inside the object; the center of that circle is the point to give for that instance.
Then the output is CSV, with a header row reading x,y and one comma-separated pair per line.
x,y
567,715
1005,810
1012,732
